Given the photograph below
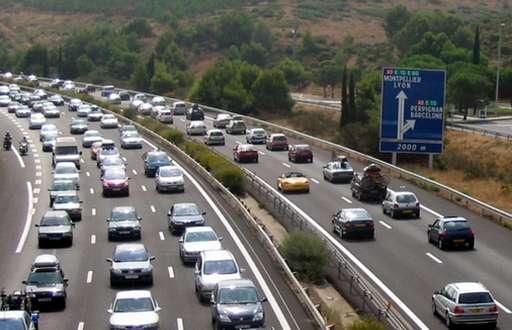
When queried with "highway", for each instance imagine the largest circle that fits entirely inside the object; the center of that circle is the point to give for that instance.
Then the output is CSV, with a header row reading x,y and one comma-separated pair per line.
x,y
500,127
89,293
400,256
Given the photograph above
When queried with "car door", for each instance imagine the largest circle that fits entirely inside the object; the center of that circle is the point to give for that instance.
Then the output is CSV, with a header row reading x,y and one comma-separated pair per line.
x,y
387,202
434,231
441,300
197,270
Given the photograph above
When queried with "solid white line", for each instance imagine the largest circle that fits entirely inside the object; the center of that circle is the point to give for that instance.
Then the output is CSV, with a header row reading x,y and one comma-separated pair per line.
x,y
89,277
433,257
287,165
179,321
161,235
91,191
171,272
385,224
394,298
20,160
257,274
93,239
144,188
346,200
134,172
315,180
502,307
150,144
152,209
87,173
80,326
93,211
28,220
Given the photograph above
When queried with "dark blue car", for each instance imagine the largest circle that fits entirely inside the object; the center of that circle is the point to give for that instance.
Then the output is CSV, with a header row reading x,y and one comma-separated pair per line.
x,y
451,231
153,160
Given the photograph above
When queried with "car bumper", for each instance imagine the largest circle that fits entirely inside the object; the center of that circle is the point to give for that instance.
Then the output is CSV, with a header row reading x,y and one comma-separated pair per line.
x,y
278,147
116,191
235,324
342,177
407,211
47,298
474,319
359,232
132,145
176,187
109,125
132,277
456,242
291,188
123,233
189,257
78,131
55,238
179,227
257,140
216,142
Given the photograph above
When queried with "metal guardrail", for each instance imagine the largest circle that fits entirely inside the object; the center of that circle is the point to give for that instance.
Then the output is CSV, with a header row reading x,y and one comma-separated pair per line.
x,y
478,130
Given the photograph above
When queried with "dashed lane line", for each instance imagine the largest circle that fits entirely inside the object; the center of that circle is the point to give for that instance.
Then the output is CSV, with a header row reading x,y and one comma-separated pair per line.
x,y
315,180
171,272
433,257
93,212
161,235
144,188
385,224
179,322
286,165
152,207
93,239
89,277
346,199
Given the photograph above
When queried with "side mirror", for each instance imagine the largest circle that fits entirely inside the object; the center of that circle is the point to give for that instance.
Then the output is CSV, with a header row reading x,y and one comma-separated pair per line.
x,y
139,218
108,219
221,238
81,202
212,300
24,282
181,240
109,259
72,224
66,280
203,213
110,311
152,258
430,226
169,212
36,225
80,153
197,272
158,309
263,299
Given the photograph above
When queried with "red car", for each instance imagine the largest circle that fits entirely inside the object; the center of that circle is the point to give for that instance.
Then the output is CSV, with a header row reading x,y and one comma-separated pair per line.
x,y
245,152
115,181
300,153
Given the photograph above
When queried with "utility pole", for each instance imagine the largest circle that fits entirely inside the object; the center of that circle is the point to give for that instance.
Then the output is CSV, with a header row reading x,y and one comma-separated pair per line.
x,y
498,65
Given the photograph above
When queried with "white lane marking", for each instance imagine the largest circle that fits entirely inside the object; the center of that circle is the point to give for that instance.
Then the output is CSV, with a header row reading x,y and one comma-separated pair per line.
x,y
36,191
346,199
179,322
91,191
80,326
20,160
89,277
87,173
152,209
34,150
124,159
39,174
25,134
38,181
150,144
35,200
93,211
385,224
38,167
433,257
28,220
82,160
93,239
37,161
36,155
31,145
144,188
134,172
315,180
394,298
171,272
502,307
286,165
257,274
261,153
161,235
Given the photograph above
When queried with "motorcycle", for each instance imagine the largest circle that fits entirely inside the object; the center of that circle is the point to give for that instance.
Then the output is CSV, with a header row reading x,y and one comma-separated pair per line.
x,y
23,149
7,144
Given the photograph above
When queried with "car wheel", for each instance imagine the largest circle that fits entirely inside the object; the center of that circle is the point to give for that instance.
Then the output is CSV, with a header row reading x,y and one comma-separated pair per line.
x,y
434,309
63,303
429,239
110,238
150,281
157,187
392,214
471,246
306,191
448,321
440,244
113,282
311,160
343,235
417,215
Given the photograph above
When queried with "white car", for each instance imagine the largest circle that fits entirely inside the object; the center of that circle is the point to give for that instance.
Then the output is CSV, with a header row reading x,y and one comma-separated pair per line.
x,y
145,109
140,97
134,309
169,178
66,171
89,137
256,136
109,121
32,78
83,110
95,114
7,75
157,100
214,137
68,86
4,99
14,88
165,116
196,127
23,111
179,108
136,103
222,120
47,129
36,121
114,98
131,140
74,104
197,239
51,111
156,110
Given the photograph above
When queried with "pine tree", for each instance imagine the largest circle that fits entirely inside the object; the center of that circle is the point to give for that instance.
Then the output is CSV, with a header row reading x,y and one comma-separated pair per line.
x,y
476,47
345,110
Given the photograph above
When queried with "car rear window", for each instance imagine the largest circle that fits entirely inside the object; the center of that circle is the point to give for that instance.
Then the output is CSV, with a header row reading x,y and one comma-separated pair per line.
x,y
405,198
475,298
220,267
455,225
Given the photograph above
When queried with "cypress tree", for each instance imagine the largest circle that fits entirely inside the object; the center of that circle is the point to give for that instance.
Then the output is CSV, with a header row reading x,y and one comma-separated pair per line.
x,y
352,98
345,111
476,47
150,68
59,63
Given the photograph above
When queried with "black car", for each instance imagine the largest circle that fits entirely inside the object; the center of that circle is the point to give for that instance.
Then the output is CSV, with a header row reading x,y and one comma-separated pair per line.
x,y
47,285
451,231
124,95
153,160
195,113
182,215
124,222
353,222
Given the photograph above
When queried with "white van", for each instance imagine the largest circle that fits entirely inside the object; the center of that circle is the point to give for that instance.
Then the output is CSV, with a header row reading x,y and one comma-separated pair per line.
x,y
66,150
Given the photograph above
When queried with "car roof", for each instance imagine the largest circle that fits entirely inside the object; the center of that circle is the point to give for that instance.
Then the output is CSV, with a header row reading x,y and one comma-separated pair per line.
x,y
11,314
217,255
65,164
452,218
123,209
197,123
68,193
130,247
45,259
52,213
214,130
464,287
107,141
198,229
236,283
276,134
133,294
169,167
359,209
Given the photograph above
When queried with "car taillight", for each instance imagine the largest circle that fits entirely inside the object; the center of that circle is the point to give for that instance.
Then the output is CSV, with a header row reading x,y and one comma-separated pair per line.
x,y
493,309
370,224
443,233
395,206
458,310
471,232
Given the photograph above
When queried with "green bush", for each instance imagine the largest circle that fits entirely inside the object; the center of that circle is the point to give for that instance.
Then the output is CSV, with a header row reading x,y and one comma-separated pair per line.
x,y
231,177
307,255
130,113
172,135
367,324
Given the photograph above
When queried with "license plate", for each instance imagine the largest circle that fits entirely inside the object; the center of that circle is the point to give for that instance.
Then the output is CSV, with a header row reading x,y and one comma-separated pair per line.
x,y
459,241
360,225
476,310
44,299
54,238
131,277
407,211
244,326
124,232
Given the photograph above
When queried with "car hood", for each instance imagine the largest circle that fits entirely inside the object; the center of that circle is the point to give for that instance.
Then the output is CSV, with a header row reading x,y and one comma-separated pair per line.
x,y
132,139
175,179
93,138
131,265
158,164
54,229
65,176
212,280
55,287
234,310
66,206
123,224
79,126
201,246
187,218
134,319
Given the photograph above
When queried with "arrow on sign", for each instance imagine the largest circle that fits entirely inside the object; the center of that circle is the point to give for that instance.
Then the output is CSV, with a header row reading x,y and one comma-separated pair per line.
x,y
410,123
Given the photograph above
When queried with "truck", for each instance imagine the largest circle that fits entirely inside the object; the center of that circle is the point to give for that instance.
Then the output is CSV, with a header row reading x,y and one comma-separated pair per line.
x,y
66,150
370,184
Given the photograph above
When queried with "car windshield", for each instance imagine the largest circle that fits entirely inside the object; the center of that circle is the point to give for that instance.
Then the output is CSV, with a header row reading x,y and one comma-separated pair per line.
x,y
48,128
78,122
258,132
475,298
219,267
169,172
65,170
66,150
215,133
240,295
84,108
63,185
109,117
408,198
158,158
130,134
66,199
125,214
130,255
303,148
110,151
247,147
115,175
186,209
42,278
294,175
340,165
54,221
12,324
92,134
131,305
112,161
357,215
201,236
279,138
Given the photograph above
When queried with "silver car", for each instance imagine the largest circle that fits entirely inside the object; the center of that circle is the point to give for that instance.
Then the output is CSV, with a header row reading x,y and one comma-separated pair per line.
x,y
47,129
112,162
236,127
256,136
197,239
165,116
95,114
131,262
90,137
46,285
49,141
214,137
109,121
131,140
401,203
179,108
74,104
221,120
124,222
339,170
83,110
145,109
61,186
51,111
78,126
196,127
36,121
70,202
23,111
465,303
169,178
182,215
55,226
66,171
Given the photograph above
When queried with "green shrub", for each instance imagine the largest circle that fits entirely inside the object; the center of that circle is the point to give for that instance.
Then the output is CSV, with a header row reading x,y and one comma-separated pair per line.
x,y
367,324
232,178
130,113
307,255
173,135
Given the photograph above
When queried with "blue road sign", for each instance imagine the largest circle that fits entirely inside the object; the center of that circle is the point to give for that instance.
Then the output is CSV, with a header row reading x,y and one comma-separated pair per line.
x,y
412,110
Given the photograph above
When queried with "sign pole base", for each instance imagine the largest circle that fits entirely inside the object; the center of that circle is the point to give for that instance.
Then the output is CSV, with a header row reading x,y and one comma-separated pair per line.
x,y
393,158
430,161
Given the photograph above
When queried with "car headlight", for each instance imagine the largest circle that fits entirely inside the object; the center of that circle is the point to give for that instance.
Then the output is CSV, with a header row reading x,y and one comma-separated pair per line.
x,y
68,233
58,293
116,271
258,316
147,269
42,235
112,230
224,318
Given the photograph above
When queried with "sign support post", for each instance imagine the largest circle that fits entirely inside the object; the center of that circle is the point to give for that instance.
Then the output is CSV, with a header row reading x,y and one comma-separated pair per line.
x,y
430,161
393,158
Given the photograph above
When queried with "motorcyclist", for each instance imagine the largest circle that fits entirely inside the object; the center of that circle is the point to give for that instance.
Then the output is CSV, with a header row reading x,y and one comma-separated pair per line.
x,y
7,140
23,145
